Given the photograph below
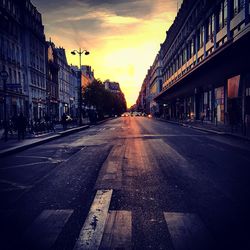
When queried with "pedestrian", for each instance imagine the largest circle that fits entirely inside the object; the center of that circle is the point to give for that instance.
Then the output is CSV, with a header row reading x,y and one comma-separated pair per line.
x,y
21,126
64,121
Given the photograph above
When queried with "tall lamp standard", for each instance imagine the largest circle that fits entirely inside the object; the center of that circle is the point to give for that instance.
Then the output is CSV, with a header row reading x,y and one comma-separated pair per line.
x,y
4,76
80,52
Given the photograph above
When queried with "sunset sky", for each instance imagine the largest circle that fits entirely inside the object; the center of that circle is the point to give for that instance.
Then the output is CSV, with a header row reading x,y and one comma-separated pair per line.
x,y
123,36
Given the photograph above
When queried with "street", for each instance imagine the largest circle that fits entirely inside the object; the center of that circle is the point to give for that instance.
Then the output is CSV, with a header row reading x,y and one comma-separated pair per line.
x,y
129,183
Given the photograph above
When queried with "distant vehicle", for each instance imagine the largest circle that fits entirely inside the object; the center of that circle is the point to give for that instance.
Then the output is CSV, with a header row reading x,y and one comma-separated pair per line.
x,y
149,116
126,114
136,113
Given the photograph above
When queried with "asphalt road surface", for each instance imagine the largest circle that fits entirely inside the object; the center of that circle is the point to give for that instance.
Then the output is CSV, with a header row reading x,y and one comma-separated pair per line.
x,y
130,183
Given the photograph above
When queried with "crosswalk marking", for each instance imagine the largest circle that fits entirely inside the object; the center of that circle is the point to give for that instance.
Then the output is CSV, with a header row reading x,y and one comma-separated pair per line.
x,y
118,231
188,232
91,233
110,175
44,231
101,129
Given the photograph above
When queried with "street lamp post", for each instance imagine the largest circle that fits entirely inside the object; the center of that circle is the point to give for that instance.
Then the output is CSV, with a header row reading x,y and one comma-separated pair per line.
x,y
80,52
4,76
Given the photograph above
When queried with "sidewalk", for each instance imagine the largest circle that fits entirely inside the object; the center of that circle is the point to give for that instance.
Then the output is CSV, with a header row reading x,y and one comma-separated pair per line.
x,y
13,145
211,128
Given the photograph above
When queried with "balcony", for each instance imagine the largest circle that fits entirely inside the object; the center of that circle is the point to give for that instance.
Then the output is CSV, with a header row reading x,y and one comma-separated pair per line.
x,y
221,35
237,22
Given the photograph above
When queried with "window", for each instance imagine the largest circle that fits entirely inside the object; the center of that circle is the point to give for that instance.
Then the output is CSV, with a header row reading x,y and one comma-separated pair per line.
x,y
223,14
184,55
238,5
192,47
212,25
210,28
201,37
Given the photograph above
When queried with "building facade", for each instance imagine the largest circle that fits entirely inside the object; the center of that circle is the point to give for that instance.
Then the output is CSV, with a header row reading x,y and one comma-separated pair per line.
x,y
40,81
52,70
151,87
155,84
141,100
12,60
64,82
205,60
113,87
87,75
34,49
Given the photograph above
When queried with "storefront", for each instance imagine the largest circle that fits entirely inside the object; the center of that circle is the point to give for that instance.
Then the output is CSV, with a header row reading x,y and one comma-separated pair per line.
x,y
234,101
15,104
38,109
219,104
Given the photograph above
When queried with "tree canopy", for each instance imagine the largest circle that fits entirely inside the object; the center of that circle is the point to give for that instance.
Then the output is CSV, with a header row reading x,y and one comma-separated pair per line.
x,y
104,101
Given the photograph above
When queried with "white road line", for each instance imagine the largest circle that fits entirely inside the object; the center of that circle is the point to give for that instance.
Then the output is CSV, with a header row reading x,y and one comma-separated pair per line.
x,y
188,232
31,156
31,164
13,186
91,233
44,231
101,129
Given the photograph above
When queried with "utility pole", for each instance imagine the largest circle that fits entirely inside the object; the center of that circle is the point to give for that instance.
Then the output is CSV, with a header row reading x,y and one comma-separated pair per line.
x,y
80,52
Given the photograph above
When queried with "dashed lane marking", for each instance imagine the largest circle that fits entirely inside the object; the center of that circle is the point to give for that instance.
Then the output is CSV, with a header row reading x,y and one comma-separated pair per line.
x,y
91,233
188,232
44,231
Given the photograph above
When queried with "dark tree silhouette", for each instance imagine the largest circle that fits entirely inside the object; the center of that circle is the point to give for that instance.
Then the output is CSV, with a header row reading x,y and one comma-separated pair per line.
x,y
104,101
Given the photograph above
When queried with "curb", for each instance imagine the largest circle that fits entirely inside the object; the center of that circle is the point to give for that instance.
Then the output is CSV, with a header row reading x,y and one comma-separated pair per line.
x,y
238,136
17,149
205,130
72,130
